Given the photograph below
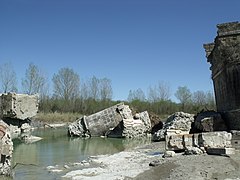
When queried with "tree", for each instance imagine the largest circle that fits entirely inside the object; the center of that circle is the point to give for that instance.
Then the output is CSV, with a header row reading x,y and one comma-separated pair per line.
x,y
66,84
199,98
183,94
210,100
94,88
136,95
164,91
160,92
8,78
105,89
35,81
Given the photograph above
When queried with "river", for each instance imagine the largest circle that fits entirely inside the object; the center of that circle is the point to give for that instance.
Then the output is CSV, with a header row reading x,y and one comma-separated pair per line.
x,y
56,148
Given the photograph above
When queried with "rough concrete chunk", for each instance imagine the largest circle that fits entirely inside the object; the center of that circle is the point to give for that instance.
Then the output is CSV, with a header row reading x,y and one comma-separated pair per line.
x,y
6,149
178,121
18,106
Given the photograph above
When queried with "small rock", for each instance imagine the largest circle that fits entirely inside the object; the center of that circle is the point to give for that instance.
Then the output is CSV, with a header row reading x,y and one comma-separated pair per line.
x,y
66,167
155,163
169,154
193,151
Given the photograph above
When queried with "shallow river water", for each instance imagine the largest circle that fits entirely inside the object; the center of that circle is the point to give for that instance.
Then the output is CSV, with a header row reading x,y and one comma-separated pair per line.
x,y
56,148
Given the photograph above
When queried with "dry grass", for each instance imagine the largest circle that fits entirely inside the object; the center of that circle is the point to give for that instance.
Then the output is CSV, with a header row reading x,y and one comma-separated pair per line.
x,y
57,117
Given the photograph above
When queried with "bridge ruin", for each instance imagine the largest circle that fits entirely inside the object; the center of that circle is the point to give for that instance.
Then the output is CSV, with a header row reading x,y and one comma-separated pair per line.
x,y
224,57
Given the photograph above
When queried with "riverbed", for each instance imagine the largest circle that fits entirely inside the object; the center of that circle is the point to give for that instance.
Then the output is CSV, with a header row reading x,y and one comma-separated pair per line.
x,y
56,153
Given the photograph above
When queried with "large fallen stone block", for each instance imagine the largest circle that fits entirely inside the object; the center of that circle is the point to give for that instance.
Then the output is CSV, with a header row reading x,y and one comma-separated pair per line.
x,y
116,121
215,139
18,106
219,139
177,121
6,149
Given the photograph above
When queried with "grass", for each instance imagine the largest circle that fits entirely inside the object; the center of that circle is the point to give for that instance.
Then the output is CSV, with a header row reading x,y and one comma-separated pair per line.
x,y
57,117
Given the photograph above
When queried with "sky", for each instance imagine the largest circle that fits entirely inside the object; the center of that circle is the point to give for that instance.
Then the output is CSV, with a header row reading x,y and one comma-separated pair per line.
x,y
135,43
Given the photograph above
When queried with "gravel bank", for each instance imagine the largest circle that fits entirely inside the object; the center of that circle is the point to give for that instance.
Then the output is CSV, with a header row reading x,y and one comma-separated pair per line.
x,y
134,164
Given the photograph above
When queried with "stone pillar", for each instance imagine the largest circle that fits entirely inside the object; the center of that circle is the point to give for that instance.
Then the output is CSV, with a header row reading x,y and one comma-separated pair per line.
x,y
224,57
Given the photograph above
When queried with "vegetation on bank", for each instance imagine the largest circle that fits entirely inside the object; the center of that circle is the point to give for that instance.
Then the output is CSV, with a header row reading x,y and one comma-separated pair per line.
x,y
52,110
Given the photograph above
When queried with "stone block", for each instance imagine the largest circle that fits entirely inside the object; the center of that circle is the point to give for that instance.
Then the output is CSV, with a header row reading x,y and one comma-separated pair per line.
x,y
221,151
174,142
219,139
18,106
216,139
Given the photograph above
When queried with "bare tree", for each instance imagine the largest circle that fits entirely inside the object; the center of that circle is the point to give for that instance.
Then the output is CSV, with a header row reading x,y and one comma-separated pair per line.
x,y
66,84
93,84
136,95
8,78
84,92
183,94
199,98
159,92
152,94
105,89
210,100
164,91
34,81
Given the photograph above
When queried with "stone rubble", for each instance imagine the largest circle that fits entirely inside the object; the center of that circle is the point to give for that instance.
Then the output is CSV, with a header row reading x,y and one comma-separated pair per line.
x,y
6,149
198,143
177,121
116,121
18,106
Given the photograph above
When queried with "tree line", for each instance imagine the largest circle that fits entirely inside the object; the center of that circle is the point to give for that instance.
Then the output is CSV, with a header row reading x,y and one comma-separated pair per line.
x,y
94,94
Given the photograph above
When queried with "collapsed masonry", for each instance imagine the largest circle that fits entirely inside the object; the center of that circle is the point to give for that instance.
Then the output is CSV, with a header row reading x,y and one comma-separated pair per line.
x,y
224,57
116,121
205,132
17,109
6,149
15,112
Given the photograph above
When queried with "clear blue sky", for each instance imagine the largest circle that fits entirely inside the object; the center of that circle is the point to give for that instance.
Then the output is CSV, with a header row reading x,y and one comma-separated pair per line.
x,y
135,43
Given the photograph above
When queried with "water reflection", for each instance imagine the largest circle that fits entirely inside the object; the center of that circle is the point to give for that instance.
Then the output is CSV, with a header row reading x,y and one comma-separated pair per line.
x,y
57,148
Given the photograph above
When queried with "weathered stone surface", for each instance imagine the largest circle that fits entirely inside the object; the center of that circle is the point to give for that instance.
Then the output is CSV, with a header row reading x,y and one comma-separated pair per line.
x,y
18,106
168,154
6,149
215,139
78,128
219,139
193,151
116,121
224,57
157,127
177,121
209,121
159,135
